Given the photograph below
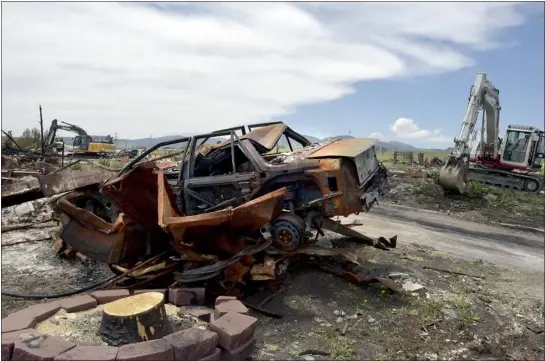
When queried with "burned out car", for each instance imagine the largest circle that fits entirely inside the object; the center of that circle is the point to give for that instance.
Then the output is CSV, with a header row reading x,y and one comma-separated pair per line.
x,y
231,188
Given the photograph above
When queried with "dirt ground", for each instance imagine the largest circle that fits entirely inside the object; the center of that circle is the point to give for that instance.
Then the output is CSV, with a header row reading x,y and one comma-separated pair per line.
x,y
483,203
472,307
482,316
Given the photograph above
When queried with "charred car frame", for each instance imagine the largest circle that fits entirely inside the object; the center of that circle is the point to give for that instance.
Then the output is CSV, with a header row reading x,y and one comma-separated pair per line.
x,y
221,198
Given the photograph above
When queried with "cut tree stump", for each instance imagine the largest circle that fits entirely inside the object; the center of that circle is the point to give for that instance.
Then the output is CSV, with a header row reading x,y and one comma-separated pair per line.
x,y
135,319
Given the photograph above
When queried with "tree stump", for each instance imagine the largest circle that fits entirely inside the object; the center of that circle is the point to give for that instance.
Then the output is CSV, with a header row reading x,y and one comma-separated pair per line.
x,y
135,319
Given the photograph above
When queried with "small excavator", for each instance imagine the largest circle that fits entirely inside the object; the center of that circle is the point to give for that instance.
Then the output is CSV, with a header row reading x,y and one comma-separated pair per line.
x,y
513,162
84,145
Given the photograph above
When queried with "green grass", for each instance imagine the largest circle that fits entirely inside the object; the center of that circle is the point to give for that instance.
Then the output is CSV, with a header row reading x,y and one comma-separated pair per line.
x,y
492,196
430,311
105,162
467,317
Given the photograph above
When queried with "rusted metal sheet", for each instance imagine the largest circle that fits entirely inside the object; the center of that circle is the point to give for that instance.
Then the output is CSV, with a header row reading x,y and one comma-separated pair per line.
x,y
265,271
52,184
360,150
97,239
345,196
223,230
135,194
343,148
249,216
267,136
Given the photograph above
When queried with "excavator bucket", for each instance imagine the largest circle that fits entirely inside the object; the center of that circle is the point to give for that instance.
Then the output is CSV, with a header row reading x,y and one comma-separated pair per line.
x,y
453,175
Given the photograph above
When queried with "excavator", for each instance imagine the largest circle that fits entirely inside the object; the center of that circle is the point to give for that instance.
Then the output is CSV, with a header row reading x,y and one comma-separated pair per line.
x,y
84,145
513,162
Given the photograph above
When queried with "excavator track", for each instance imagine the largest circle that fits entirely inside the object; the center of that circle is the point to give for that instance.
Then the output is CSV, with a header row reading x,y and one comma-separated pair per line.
x,y
505,179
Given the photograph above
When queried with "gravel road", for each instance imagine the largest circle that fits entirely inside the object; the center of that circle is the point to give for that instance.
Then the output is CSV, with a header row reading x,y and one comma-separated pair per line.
x,y
508,247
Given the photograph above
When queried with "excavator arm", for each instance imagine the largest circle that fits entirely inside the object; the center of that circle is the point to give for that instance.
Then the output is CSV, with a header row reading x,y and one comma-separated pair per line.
x,y
64,126
483,96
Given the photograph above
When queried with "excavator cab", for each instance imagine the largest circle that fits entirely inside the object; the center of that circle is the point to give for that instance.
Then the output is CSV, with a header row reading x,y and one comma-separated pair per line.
x,y
82,142
523,147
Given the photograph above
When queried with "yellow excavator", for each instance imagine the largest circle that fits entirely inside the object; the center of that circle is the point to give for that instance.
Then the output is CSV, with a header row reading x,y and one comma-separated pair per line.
x,y
84,145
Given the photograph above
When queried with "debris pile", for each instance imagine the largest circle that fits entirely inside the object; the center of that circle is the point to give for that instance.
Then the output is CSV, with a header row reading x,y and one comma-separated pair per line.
x,y
225,215
434,162
228,213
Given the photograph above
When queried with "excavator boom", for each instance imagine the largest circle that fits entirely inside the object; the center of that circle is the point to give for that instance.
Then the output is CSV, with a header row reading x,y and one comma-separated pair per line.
x,y
85,144
483,96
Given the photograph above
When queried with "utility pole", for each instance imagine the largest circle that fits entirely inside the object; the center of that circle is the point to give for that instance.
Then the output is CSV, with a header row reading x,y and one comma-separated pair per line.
x,y
42,132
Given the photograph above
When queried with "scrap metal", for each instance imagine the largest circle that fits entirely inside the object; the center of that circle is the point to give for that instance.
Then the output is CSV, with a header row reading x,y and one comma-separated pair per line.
x,y
56,183
233,208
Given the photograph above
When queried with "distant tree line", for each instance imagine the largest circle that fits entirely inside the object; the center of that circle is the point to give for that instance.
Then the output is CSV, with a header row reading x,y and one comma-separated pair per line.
x,y
30,139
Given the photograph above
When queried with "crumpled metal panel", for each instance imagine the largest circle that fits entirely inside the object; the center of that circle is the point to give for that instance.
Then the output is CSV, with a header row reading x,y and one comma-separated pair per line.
x,y
223,230
343,148
360,150
99,240
135,194
249,216
266,136
345,199
55,183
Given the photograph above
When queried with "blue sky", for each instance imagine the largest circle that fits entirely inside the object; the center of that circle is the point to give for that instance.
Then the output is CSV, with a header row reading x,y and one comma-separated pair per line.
x,y
439,101
135,69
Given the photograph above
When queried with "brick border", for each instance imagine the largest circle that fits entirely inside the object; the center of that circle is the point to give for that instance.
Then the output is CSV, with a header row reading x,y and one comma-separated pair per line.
x,y
230,335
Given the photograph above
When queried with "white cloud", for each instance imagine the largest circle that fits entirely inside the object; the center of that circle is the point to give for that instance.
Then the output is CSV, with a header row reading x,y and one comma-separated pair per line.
x,y
407,129
376,135
169,68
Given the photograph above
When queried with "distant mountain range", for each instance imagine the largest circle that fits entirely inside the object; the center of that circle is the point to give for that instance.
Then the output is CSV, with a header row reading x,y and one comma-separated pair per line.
x,y
150,142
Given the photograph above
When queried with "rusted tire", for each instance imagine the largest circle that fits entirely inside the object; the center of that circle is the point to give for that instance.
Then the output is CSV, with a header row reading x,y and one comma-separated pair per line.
x,y
288,233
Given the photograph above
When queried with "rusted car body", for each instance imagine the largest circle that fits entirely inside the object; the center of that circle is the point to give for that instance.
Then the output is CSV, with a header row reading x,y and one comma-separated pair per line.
x,y
219,198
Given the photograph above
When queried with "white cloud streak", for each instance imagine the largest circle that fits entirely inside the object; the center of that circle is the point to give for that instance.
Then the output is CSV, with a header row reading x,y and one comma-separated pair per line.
x,y
174,68
407,129
376,135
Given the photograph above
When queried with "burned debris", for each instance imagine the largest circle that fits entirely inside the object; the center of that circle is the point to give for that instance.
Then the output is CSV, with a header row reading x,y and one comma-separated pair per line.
x,y
228,212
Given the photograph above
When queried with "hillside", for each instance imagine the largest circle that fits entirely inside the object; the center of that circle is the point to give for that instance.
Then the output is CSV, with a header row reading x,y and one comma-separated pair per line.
x,y
149,142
